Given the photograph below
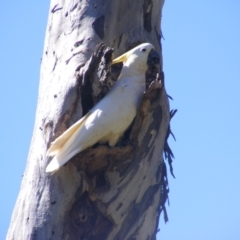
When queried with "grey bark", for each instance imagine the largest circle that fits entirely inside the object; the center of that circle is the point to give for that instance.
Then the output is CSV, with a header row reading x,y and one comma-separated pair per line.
x,y
103,192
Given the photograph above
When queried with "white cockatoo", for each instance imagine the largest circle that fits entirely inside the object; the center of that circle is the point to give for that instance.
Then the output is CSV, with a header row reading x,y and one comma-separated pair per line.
x,y
110,117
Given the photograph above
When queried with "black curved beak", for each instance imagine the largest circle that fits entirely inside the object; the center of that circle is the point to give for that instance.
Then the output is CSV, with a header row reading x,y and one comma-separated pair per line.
x,y
153,58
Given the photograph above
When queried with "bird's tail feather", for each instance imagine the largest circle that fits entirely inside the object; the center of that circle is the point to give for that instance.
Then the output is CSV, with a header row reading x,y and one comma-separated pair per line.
x,y
61,158
53,165
58,144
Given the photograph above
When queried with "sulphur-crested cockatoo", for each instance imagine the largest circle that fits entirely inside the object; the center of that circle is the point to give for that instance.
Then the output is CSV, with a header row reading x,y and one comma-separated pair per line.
x,y
110,117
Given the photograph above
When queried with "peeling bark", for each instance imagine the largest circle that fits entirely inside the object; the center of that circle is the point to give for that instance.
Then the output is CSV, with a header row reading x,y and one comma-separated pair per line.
x,y
103,192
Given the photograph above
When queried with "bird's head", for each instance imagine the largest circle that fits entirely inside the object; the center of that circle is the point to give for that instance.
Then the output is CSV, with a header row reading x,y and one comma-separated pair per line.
x,y
139,58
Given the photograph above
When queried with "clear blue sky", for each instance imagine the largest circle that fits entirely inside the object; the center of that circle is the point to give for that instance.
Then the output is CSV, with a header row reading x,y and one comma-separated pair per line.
x,y
202,67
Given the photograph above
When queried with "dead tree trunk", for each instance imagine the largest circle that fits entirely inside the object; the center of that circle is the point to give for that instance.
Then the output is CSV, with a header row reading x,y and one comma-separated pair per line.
x,y
102,193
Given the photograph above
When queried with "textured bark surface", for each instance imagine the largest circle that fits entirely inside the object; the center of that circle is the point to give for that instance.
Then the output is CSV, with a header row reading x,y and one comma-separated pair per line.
x,y
103,192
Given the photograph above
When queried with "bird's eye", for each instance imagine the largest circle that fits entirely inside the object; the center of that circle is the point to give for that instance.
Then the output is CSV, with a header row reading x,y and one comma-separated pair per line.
x,y
143,50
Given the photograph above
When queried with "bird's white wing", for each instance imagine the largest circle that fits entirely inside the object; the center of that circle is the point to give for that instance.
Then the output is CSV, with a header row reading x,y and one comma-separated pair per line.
x,y
105,122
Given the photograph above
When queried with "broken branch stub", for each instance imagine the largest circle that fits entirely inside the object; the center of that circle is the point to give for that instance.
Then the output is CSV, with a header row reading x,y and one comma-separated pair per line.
x,y
94,77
